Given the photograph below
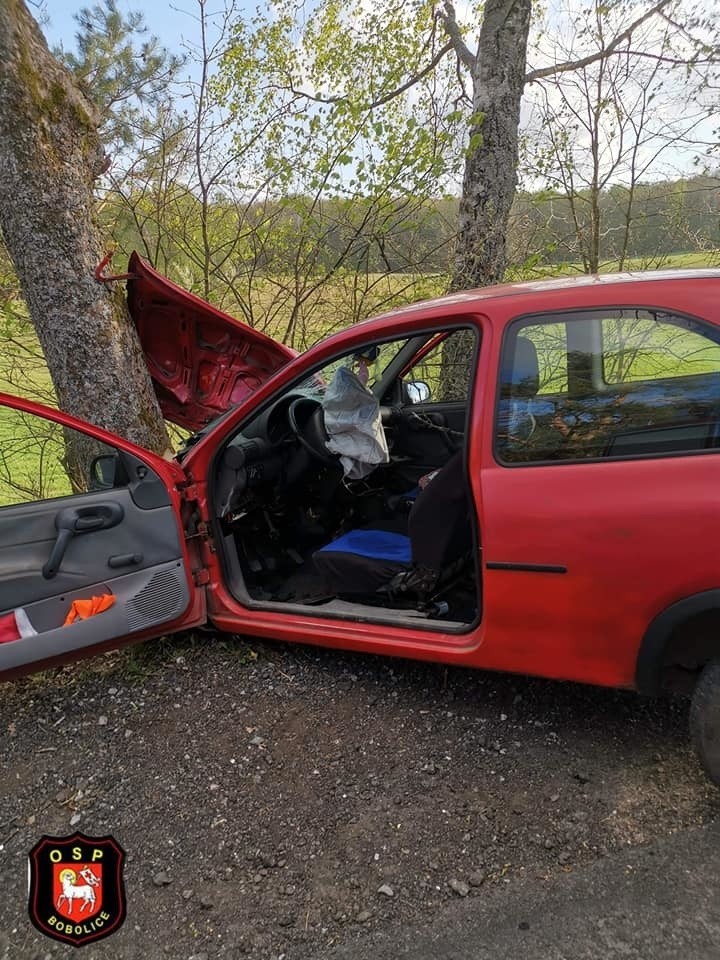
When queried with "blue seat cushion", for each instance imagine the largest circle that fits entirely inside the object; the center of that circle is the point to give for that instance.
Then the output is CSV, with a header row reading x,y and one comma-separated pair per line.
x,y
373,544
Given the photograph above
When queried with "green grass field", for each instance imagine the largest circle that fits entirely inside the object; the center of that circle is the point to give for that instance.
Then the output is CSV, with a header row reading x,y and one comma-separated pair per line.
x,y
687,261
31,450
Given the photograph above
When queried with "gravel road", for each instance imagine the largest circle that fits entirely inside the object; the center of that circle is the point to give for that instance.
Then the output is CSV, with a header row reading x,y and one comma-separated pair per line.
x,y
276,802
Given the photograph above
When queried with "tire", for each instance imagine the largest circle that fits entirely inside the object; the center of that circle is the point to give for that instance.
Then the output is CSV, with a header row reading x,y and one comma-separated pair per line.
x,y
705,720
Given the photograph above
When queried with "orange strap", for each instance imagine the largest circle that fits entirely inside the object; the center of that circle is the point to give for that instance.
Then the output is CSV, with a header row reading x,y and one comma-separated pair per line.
x,y
84,609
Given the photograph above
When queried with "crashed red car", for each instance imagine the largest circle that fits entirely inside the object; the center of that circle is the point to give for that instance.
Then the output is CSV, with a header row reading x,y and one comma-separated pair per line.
x,y
521,478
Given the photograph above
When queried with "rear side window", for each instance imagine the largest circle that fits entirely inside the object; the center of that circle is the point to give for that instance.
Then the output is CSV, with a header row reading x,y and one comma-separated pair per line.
x,y
617,383
654,347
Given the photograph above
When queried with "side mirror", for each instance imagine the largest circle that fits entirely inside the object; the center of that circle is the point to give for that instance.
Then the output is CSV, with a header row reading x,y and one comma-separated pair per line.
x,y
417,391
102,472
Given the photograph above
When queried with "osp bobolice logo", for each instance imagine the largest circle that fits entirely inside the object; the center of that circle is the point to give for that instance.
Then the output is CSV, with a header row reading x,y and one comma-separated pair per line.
x,y
76,891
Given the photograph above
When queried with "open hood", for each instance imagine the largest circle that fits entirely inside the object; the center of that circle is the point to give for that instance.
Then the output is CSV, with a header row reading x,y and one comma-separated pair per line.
x,y
202,361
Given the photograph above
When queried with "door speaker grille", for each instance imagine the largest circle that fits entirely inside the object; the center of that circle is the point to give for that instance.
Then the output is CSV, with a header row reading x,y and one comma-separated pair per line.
x,y
163,598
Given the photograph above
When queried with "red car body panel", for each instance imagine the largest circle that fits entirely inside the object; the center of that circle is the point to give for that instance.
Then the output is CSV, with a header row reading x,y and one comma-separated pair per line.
x,y
576,558
619,529
201,360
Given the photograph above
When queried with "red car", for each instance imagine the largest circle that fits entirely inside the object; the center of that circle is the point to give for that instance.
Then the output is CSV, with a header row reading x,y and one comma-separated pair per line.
x,y
521,478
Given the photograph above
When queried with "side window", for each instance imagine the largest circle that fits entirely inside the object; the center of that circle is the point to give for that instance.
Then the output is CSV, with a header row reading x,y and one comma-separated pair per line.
x,y
443,370
41,460
654,347
617,383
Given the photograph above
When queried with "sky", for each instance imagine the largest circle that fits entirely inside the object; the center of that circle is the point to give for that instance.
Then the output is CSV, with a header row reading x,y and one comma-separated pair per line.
x,y
173,23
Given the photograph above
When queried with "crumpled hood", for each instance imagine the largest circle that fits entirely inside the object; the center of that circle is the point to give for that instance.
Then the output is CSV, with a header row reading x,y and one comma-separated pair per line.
x,y
201,361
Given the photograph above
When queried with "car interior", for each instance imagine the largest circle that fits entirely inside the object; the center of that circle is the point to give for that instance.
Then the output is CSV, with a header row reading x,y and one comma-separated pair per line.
x,y
348,493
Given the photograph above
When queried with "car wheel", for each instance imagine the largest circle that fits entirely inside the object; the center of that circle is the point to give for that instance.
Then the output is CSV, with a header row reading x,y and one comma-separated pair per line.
x,y
705,719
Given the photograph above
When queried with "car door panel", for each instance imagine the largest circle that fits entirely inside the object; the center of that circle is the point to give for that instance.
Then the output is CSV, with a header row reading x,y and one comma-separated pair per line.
x,y
432,420
593,491
150,586
126,540
452,412
28,534
427,435
143,600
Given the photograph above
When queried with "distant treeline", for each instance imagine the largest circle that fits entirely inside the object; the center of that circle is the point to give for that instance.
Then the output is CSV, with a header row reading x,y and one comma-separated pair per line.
x,y
678,216
413,235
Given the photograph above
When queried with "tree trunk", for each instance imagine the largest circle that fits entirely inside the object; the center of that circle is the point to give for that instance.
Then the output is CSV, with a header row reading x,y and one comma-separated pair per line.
x,y
492,158
50,153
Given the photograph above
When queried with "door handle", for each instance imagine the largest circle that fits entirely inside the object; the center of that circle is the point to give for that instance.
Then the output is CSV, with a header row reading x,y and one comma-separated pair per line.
x,y
86,524
77,520
62,540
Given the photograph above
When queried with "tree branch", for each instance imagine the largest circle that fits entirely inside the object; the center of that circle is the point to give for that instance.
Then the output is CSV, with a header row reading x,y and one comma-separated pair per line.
x,y
452,29
569,65
386,97
446,48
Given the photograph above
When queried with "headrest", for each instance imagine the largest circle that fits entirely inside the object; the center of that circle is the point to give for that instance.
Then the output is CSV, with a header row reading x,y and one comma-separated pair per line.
x,y
521,377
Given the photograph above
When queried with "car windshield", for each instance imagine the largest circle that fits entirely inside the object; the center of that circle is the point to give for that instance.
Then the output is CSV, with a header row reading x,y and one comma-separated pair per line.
x,y
373,360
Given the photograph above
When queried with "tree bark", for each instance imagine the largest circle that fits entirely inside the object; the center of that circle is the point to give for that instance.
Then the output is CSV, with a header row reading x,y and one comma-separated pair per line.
x,y
50,154
498,75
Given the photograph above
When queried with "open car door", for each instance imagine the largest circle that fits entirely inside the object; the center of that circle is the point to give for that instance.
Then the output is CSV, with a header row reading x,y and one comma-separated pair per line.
x,y
86,516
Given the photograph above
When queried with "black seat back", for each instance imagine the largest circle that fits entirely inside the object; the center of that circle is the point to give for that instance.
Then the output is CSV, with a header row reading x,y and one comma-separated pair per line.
x,y
439,525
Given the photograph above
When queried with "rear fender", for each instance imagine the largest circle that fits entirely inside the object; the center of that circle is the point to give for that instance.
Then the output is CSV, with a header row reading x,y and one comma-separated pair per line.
x,y
651,660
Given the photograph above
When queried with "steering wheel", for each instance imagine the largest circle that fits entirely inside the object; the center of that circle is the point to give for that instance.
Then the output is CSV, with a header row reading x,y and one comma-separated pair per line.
x,y
305,416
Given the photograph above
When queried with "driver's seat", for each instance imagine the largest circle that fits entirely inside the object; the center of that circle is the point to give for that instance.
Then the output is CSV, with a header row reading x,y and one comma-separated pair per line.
x,y
361,562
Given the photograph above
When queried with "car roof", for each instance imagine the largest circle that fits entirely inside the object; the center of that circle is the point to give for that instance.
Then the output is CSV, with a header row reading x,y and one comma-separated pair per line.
x,y
456,303
525,287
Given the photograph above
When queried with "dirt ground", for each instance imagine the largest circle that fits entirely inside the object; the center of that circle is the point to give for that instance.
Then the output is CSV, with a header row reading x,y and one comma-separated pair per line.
x,y
277,801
